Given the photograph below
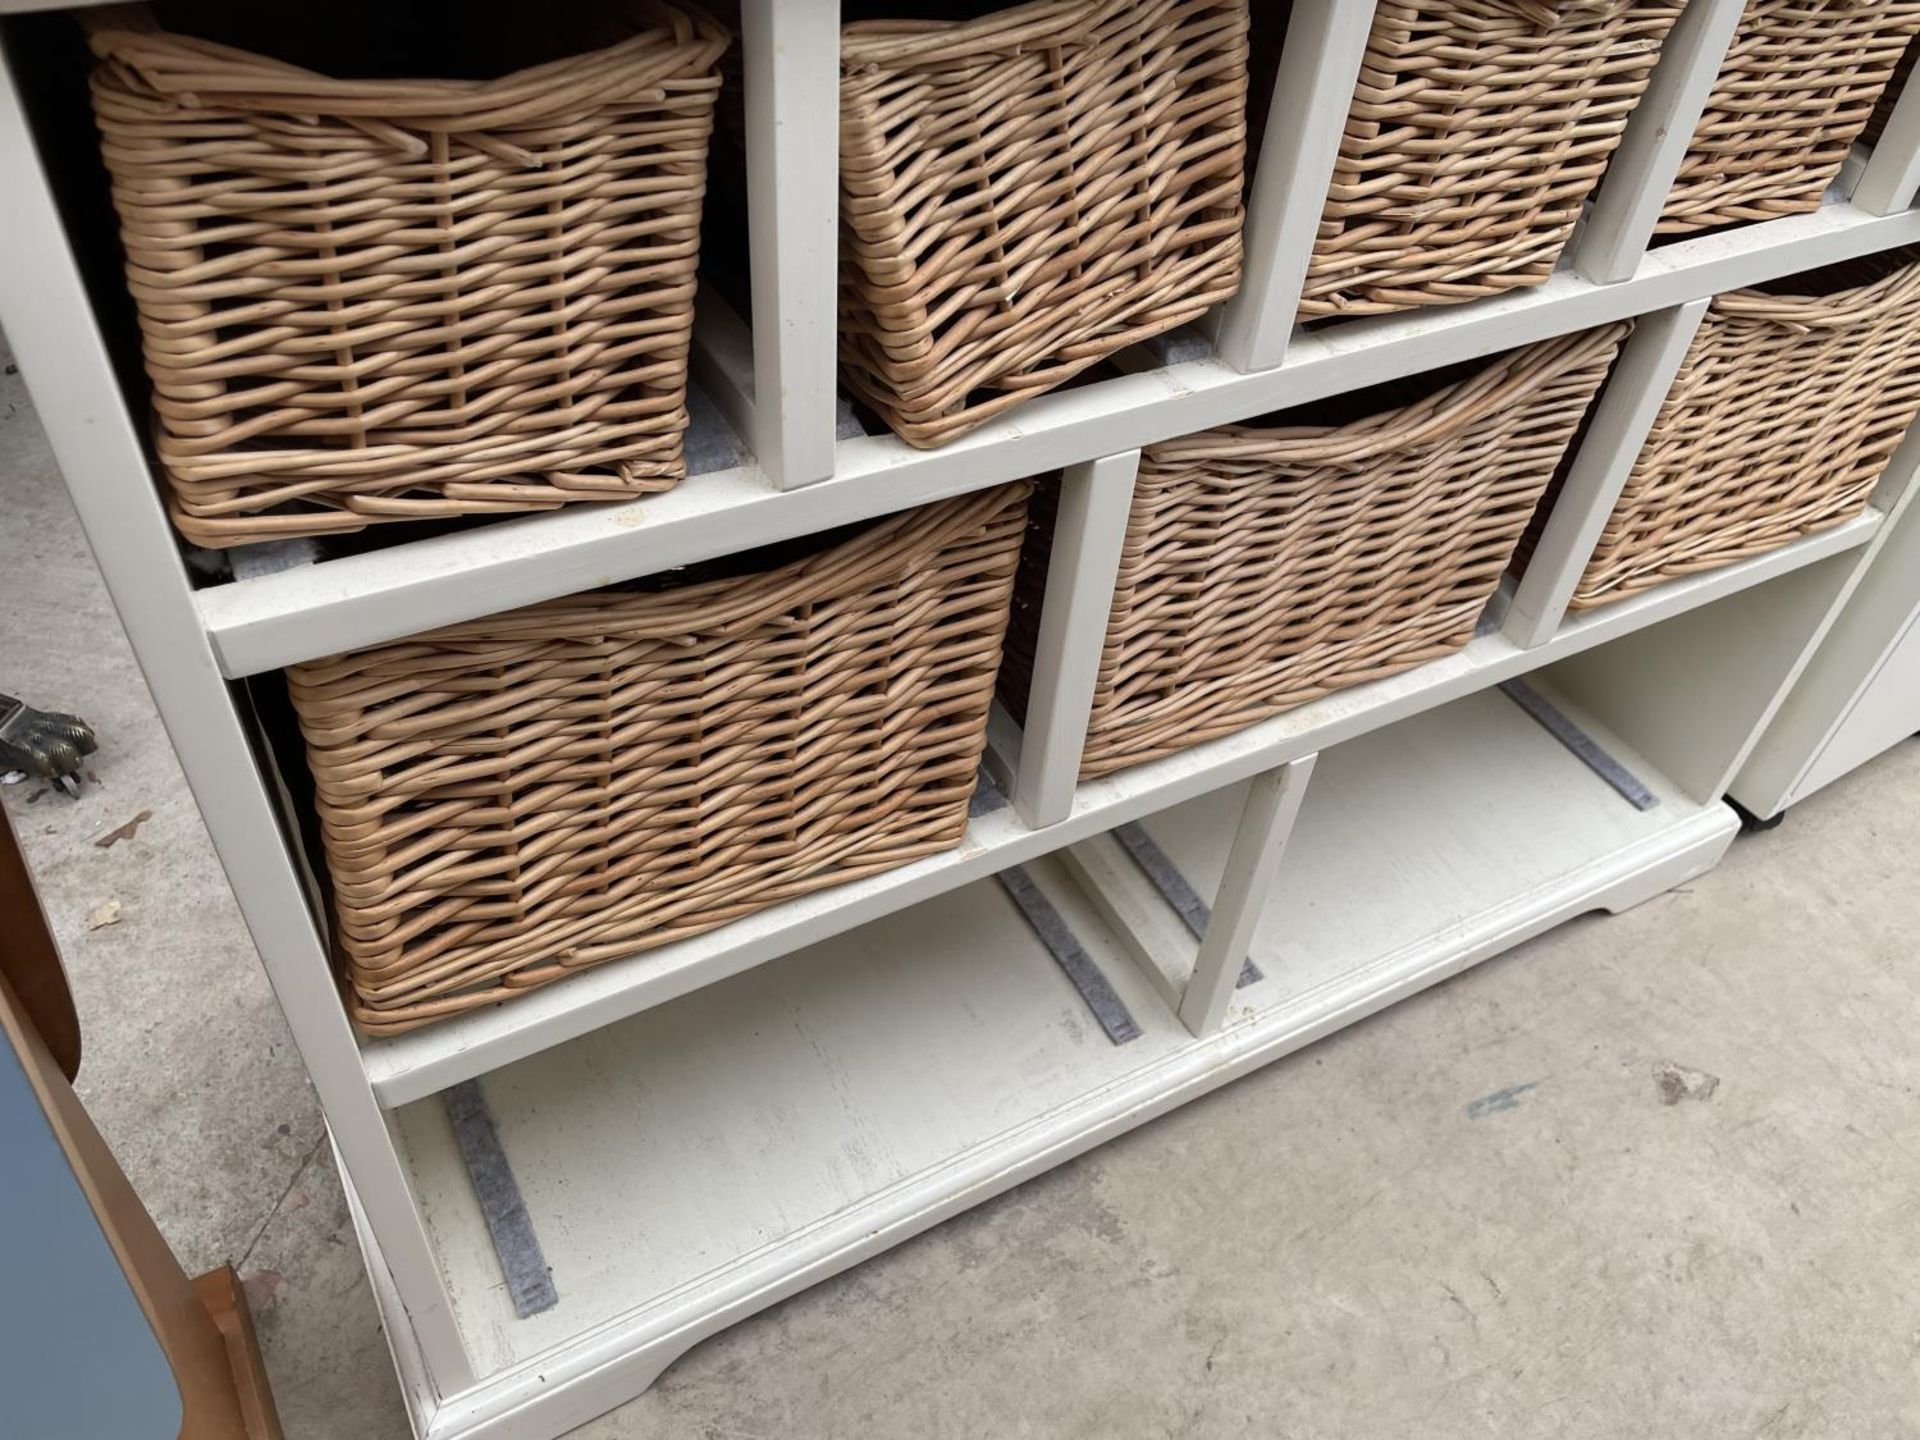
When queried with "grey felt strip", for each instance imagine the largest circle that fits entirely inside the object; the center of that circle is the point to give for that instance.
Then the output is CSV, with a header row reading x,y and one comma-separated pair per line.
x,y
986,797
1159,868
846,421
1178,346
267,557
1051,926
1563,729
708,443
529,1281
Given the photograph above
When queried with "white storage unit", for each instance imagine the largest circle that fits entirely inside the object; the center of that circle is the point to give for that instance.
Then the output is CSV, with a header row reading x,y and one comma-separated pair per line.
x,y
705,1128
1859,695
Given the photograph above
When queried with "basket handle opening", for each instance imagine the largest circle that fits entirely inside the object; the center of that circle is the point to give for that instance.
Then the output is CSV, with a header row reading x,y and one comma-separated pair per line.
x,y
1442,415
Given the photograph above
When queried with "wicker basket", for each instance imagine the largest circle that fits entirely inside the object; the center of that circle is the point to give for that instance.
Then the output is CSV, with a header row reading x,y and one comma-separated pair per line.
x,y
1026,193
507,801
1785,411
372,300
1478,130
1799,84
1265,567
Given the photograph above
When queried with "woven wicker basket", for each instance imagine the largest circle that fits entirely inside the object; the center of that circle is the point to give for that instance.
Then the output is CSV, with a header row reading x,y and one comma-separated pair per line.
x,y
1026,193
1785,411
1478,130
371,300
1264,567
1799,84
507,801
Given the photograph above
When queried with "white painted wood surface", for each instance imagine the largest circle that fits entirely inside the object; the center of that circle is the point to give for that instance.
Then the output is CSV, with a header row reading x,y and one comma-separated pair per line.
x,y
1464,812
1860,691
1195,979
1319,67
1699,689
1892,175
1266,819
1702,691
790,58
1142,924
1885,713
1096,501
1624,414
1640,174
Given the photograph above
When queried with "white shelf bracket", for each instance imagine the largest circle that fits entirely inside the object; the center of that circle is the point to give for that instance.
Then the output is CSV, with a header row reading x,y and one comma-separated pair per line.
x,y
1153,936
1640,175
45,311
790,58
1197,985
1892,176
1641,377
1319,68
1266,822
1096,500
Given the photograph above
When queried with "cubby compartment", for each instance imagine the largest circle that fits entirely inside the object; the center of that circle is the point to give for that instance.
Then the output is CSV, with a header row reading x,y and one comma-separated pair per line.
x,y
1477,131
512,800
1268,564
1435,842
1784,413
367,299
1027,190
698,1152
1797,86
700,1159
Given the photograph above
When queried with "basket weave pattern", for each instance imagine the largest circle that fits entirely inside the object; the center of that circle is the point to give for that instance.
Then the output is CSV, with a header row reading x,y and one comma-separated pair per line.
x,y
1478,129
1024,194
1780,420
1798,85
506,801
376,300
1265,567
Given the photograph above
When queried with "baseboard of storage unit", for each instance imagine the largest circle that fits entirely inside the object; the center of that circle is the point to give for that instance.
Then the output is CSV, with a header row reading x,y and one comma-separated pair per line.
x,y
706,1158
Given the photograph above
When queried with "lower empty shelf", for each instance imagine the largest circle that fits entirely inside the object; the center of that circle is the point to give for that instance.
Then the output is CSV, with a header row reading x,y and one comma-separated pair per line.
x,y
1432,837
705,1158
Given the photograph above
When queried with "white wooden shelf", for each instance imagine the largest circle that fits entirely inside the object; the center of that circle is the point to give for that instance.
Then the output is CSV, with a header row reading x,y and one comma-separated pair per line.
x,y
1859,694
705,1159
276,620
1471,828
406,1067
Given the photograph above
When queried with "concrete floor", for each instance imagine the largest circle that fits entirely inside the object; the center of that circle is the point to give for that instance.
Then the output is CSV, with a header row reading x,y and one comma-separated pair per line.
x,y
1344,1245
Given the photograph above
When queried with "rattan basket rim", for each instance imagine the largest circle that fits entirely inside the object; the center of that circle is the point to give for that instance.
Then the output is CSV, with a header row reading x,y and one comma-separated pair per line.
x,y
1854,305
1440,416
1039,24
196,72
1049,23
706,605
